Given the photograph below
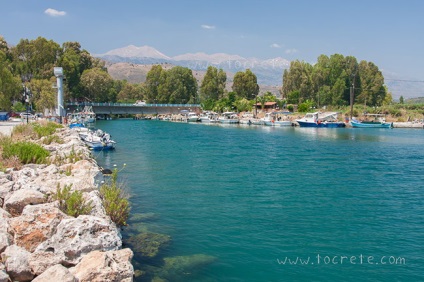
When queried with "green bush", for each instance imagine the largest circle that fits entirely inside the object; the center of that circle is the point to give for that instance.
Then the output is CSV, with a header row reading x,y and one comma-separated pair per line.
x,y
115,201
45,130
72,203
27,152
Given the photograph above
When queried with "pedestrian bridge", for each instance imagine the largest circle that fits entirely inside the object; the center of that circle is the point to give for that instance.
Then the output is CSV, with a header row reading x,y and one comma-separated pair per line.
x,y
122,108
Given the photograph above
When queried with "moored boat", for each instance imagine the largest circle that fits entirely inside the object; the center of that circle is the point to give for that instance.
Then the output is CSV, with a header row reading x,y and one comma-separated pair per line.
x,y
372,121
228,118
318,119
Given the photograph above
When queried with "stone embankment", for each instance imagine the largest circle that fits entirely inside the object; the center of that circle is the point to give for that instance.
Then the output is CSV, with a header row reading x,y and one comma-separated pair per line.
x,y
38,242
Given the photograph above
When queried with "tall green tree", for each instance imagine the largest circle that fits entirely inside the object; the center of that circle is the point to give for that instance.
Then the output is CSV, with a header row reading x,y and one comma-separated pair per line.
x,y
96,85
213,84
10,86
44,95
153,80
179,86
372,90
245,84
37,57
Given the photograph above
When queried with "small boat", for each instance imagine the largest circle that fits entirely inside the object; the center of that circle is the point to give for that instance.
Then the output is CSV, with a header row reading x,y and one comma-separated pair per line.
x,y
372,121
192,117
98,140
319,119
229,118
209,117
271,119
249,119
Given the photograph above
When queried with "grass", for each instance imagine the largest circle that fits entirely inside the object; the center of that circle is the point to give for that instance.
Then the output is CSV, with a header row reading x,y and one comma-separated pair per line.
x,y
71,203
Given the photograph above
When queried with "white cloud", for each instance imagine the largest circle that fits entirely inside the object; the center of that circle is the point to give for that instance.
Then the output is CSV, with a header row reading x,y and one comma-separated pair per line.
x,y
291,51
54,13
275,45
205,26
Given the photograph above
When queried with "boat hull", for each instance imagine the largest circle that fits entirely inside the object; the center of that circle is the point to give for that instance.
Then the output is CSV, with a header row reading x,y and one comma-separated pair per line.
x,y
322,124
371,124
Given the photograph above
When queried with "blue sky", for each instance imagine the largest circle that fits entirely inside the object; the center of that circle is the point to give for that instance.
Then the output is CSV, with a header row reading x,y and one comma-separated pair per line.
x,y
386,32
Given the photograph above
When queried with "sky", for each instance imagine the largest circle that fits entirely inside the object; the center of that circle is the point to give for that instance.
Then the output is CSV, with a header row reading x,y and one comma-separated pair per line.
x,y
388,33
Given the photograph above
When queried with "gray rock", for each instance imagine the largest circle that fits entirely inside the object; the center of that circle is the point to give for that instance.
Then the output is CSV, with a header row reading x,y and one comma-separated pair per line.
x,y
6,238
56,273
16,261
19,199
4,277
41,261
105,266
76,237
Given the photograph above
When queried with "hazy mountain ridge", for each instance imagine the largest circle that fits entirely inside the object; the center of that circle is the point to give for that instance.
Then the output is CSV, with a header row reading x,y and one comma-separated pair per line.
x,y
269,72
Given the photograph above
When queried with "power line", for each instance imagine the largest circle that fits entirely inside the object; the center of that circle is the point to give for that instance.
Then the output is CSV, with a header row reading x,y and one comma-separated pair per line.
x,y
404,80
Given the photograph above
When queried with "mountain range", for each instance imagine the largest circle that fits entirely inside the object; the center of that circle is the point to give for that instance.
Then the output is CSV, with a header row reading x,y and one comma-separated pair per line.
x,y
133,63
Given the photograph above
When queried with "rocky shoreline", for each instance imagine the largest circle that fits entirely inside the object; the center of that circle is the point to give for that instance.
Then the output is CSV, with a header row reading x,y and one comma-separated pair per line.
x,y
38,242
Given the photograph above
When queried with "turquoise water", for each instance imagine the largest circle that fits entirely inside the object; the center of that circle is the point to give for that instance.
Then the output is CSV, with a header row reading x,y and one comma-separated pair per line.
x,y
352,200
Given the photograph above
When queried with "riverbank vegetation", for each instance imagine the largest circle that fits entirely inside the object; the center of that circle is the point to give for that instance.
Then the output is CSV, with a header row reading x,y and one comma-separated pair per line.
x,y
329,83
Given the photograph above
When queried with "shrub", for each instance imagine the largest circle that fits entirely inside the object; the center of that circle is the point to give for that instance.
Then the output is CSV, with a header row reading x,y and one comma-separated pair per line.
x,y
115,201
52,138
45,130
27,152
72,204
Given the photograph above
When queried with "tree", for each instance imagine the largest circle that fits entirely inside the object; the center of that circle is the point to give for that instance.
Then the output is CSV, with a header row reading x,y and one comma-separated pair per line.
x,y
153,80
372,90
213,84
44,95
96,85
37,57
10,86
245,84
401,100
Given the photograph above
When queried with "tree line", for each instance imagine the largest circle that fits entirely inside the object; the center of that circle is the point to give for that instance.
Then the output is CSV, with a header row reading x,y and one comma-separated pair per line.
x,y
30,63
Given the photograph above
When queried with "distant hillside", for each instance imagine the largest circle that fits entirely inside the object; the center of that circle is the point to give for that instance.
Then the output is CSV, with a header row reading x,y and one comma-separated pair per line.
x,y
133,63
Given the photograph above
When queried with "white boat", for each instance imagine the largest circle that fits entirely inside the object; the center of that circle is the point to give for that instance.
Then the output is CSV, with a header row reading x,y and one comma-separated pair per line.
x,y
229,118
209,117
192,117
319,119
98,140
274,119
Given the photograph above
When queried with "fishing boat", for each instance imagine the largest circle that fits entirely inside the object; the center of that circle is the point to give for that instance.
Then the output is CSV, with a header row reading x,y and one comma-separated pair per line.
x,y
209,117
192,117
98,140
272,119
319,119
228,118
372,121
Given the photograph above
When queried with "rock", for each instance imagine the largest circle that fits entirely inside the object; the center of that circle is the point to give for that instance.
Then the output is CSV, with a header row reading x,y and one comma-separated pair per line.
x,y
98,209
4,277
105,266
6,239
56,273
16,261
6,186
177,268
76,237
41,261
19,199
148,244
36,224
84,175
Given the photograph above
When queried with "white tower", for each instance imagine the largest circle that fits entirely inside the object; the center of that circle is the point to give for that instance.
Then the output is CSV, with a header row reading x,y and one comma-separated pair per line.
x,y
58,72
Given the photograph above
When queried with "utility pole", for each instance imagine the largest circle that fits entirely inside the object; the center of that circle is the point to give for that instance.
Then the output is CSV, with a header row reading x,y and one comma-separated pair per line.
x,y
352,96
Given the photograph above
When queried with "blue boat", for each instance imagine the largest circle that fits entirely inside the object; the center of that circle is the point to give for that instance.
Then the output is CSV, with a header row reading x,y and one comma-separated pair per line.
x,y
317,119
377,121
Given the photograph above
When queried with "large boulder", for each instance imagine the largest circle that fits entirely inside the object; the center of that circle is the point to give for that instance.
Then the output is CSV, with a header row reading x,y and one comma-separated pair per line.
x,y
41,261
4,277
105,266
16,261
56,273
21,198
6,238
36,224
6,186
76,237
